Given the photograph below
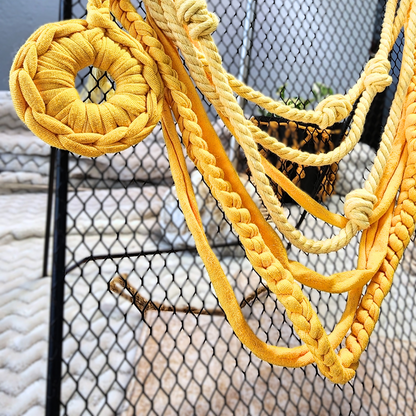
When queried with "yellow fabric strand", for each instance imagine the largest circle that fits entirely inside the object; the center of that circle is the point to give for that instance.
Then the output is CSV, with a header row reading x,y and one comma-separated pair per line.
x,y
377,254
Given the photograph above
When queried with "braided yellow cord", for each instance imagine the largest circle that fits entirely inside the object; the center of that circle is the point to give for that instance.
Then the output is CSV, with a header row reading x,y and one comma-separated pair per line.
x,y
151,83
230,201
215,175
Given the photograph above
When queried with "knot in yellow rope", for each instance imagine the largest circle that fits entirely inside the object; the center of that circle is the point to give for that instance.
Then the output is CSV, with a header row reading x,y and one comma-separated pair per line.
x,y
334,109
195,15
359,207
377,74
99,14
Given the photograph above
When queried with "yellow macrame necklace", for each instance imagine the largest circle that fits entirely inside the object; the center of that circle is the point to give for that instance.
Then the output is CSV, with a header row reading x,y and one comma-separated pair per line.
x,y
151,84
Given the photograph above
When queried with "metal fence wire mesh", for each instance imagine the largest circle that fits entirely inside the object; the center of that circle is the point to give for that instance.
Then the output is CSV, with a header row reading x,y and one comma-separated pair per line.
x,y
175,354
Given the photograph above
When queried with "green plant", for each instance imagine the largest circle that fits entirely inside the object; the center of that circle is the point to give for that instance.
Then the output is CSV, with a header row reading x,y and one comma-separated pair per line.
x,y
295,102
319,92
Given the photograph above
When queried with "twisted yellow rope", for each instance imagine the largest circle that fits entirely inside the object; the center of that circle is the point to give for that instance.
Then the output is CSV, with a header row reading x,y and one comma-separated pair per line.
x,y
151,82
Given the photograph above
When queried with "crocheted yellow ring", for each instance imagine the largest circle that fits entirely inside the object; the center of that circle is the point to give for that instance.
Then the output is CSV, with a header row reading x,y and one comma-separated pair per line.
x,y
50,104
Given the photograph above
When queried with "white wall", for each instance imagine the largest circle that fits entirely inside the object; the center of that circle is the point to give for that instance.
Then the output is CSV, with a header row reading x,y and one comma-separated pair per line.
x,y
18,20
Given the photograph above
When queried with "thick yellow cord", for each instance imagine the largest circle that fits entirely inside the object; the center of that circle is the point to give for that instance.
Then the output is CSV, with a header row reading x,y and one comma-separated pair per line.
x,y
151,83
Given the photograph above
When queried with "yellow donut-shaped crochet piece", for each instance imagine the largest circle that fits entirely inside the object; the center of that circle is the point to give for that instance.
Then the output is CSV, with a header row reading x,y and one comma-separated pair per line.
x,y
42,85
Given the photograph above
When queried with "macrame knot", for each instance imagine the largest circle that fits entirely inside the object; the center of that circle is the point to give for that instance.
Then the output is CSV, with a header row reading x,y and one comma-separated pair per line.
x,y
195,15
377,74
99,14
334,109
359,207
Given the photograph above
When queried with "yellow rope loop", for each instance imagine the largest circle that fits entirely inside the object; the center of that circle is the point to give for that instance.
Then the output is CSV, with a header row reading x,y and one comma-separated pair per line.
x,y
377,74
195,15
359,207
42,85
334,109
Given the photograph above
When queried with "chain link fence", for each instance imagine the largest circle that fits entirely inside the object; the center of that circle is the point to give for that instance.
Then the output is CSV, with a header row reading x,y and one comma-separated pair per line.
x,y
174,352
23,166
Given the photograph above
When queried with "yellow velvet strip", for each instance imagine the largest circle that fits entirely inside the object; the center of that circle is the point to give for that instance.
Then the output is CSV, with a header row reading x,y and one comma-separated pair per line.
x,y
302,198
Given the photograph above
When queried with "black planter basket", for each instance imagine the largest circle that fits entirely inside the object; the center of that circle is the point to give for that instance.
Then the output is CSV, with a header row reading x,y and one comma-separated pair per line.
x,y
318,182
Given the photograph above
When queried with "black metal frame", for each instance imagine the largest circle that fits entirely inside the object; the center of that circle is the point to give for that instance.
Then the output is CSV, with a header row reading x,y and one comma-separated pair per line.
x,y
53,389
49,207
53,393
